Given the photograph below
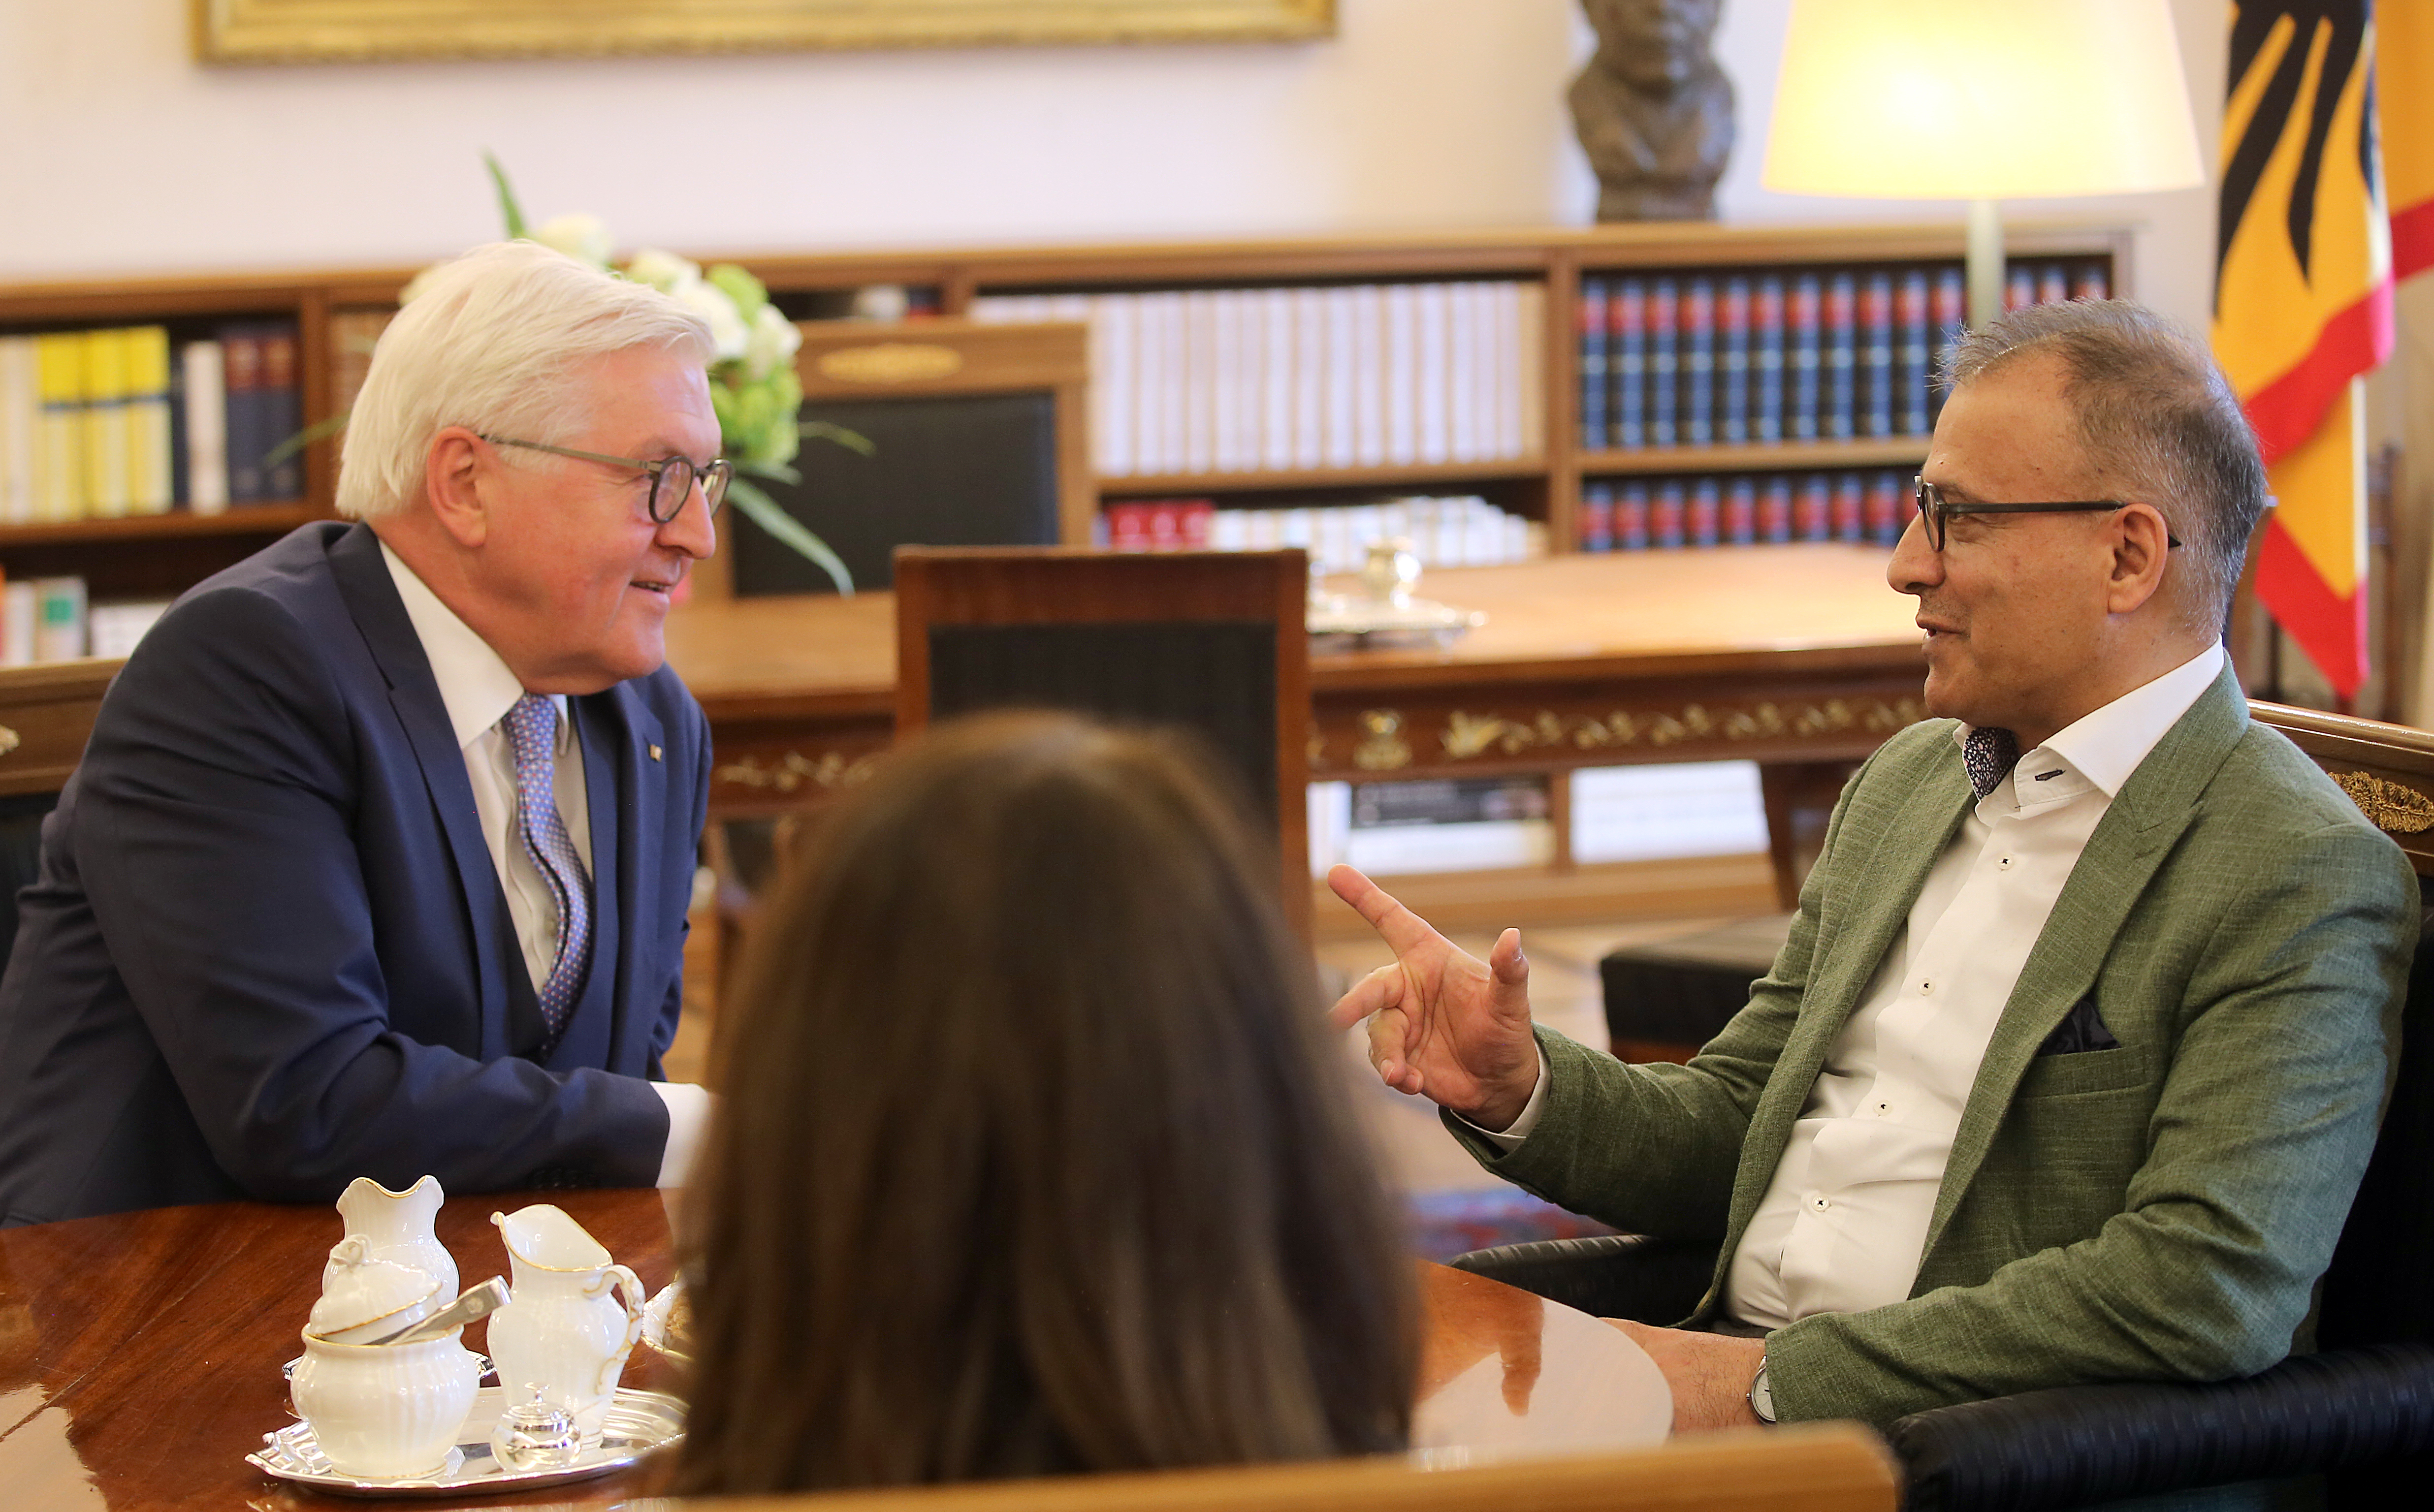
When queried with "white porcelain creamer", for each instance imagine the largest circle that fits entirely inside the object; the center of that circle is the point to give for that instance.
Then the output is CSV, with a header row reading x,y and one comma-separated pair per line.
x,y
565,1332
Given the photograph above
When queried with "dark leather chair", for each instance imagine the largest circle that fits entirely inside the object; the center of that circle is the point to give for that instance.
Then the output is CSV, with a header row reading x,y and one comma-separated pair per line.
x,y
2359,1410
1211,641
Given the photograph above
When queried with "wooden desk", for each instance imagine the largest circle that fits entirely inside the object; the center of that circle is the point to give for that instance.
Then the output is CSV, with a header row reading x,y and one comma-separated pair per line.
x,y
1790,655
140,1353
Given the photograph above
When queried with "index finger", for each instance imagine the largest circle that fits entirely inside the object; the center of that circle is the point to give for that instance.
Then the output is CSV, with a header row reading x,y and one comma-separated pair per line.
x,y
1402,929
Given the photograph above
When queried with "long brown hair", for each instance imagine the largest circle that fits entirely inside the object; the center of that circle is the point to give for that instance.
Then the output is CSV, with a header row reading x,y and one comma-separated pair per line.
x,y
1033,1156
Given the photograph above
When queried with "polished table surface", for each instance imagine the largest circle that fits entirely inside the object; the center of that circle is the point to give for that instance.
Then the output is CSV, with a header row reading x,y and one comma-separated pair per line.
x,y
140,1353
1776,653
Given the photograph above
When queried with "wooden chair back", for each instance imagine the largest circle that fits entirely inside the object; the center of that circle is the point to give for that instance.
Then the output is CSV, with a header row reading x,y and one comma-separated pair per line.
x,y
1824,1467
2373,1293
978,433
1213,641
46,715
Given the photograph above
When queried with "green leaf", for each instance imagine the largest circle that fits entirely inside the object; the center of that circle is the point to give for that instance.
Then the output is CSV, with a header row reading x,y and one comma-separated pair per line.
x,y
509,209
303,439
763,510
748,291
777,470
850,440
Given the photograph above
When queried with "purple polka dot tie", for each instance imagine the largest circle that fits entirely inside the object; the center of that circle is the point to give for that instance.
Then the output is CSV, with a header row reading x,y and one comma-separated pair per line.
x,y
532,730
1989,752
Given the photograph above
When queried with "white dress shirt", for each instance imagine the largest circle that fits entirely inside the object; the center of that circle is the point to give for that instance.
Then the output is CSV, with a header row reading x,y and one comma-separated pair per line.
x,y
1843,1222
477,690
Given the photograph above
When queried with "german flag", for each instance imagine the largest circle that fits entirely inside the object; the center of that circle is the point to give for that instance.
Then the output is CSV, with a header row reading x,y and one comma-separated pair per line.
x,y
2303,302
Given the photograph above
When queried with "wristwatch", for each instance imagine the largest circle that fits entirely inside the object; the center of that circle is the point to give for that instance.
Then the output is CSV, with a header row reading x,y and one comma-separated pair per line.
x,y
1761,1397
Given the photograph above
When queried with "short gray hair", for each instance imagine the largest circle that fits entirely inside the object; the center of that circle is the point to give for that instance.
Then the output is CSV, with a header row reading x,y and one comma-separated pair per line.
x,y
494,341
2154,415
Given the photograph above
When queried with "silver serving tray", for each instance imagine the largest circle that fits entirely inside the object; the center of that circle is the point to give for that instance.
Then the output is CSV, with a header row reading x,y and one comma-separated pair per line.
x,y
636,1423
1366,619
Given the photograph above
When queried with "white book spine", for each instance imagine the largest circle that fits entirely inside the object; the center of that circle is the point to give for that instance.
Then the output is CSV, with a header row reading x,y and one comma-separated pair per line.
x,y
59,619
1402,377
1505,370
21,428
21,612
1276,379
1161,391
1464,412
1174,384
1200,382
1342,359
1436,389
1309,379
1369,374
206,399
1227,373
1114,384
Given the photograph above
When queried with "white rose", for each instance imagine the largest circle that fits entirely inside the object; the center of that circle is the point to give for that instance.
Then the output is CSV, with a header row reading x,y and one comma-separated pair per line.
x,y
710,302
663,271
584,238
774,341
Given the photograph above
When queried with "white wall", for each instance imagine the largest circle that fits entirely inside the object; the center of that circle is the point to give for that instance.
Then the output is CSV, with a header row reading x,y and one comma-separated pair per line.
x,y
119,154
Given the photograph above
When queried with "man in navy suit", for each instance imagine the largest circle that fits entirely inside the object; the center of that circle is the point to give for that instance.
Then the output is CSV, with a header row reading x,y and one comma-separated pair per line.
x,y
377,864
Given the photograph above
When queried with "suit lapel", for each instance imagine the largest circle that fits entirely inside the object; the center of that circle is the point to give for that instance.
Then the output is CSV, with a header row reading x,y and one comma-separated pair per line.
x,y
2154,806
363,582
624,791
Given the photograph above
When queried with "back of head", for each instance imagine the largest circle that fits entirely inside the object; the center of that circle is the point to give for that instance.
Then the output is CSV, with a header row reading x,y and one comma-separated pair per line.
x,y
2157,421
1033,1155
495,340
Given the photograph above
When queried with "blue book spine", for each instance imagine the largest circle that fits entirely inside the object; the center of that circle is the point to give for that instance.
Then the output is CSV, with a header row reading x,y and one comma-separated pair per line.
x,y
1887,499
1631,518
1593,362
2053,283
2091,281
1813,513
1842,357
1951,314
1628,345
1766,360
1706,526
1850,508
1806,320
1664,322
1597,518
1740,511
1699,363
1911,313
1876,326
1775,511
2019,287
1666,513
1733,362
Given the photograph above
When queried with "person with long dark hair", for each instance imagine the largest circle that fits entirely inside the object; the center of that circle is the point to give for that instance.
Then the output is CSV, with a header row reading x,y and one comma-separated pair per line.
x,y
1033,1155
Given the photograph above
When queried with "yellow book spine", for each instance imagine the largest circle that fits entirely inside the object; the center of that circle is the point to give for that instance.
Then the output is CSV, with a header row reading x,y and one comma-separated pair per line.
x,y
105,423
59,364
150,476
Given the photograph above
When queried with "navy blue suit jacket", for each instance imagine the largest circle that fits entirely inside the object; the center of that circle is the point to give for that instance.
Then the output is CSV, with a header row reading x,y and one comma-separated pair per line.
x,y
268,951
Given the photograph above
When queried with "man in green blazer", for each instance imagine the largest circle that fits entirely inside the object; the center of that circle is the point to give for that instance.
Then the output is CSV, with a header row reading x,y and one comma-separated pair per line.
x,y
2069,1068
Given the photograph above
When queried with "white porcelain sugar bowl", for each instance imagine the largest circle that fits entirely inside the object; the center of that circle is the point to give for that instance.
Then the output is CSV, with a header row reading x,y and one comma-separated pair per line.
x,y
381,1411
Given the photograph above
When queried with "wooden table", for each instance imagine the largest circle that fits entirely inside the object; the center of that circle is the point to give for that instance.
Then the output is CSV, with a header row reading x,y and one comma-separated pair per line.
x,y
140,1353
1794,657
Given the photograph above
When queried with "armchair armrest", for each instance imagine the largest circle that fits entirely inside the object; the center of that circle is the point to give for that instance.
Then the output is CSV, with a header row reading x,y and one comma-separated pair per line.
x,y
2075,1446
1624,1275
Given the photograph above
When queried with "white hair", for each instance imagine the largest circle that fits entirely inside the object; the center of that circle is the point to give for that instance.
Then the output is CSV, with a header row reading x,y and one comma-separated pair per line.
x,y
494,341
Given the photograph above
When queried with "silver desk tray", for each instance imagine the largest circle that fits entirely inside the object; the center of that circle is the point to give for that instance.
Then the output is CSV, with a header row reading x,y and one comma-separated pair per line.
x,y
636,1423
1365,620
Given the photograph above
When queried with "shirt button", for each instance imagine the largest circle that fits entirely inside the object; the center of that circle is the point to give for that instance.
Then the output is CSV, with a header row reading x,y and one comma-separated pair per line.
x,y
1884,1109
2004,864
1819,1202
1925,988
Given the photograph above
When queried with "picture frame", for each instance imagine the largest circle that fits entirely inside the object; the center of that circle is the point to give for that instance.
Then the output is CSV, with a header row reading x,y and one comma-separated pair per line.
x,y
327,31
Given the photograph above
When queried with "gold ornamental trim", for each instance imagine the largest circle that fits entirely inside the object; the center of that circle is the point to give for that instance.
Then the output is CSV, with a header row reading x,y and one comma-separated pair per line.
x,y
1469,736
2395,807
8,740
327,31
794,771
1382,747
891,362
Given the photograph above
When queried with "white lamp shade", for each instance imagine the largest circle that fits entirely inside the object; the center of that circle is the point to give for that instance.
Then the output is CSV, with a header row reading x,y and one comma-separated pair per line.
x,y
1981,99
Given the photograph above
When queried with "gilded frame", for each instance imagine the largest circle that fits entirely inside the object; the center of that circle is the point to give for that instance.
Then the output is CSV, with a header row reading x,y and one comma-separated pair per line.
x,y
325,31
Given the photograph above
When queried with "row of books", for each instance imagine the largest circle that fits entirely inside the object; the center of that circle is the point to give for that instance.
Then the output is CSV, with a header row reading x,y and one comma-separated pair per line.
x,y
1633,813
1745,509
47,618
1231,380
1456,531
1829,354
101,424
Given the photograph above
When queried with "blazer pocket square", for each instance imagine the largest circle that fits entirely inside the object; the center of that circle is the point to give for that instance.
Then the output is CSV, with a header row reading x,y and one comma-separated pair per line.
x,y
2082,1031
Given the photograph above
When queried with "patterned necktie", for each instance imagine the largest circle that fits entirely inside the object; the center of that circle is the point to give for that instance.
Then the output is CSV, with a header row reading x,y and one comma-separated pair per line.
x,y
1989,752
532,730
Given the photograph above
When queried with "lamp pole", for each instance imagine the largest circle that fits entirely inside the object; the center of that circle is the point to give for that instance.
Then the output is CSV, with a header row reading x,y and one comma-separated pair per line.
x,y
1986,262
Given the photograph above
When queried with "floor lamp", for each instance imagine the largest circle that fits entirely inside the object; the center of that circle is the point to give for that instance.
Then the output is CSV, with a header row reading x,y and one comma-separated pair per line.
x,y
1982,100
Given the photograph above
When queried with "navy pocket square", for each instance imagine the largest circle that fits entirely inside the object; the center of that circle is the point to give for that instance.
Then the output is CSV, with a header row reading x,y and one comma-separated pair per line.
x,y
2082,1030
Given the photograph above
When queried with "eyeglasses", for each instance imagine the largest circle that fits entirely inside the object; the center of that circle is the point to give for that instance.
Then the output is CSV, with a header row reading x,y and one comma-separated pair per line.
x,y
1935,510
671,478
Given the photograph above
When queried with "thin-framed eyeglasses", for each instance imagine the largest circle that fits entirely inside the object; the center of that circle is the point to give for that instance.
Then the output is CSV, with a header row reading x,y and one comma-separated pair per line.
x,y
671,478
1935,511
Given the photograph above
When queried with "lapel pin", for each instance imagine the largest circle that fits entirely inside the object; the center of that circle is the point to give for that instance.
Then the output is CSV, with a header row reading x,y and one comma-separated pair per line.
x,y
655,753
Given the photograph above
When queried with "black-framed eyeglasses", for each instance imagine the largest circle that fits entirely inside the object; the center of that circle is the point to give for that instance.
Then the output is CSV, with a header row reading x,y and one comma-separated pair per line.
x,y
671,478
1934,510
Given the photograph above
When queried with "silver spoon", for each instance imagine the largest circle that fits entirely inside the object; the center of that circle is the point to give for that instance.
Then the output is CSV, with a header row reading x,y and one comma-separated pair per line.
x,y
474,1301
